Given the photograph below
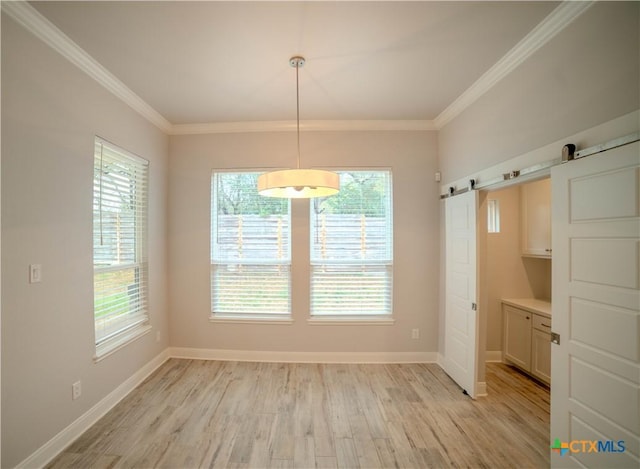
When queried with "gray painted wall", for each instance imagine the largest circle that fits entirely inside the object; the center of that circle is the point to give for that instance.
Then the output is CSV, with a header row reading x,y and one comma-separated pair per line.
x,y
50,114
412,158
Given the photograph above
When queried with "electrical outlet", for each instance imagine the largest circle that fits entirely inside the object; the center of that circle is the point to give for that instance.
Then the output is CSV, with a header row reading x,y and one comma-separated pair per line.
x,y
415,333
157,336
76,390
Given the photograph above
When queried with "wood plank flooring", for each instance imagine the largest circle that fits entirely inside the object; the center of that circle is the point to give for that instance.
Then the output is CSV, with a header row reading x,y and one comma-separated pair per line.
x,y
201,414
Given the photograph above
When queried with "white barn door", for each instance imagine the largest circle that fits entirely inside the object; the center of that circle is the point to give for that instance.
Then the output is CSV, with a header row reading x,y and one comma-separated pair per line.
x,y
595,373
461,319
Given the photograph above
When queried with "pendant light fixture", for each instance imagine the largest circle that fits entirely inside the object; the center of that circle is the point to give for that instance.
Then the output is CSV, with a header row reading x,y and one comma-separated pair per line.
x,y
298,183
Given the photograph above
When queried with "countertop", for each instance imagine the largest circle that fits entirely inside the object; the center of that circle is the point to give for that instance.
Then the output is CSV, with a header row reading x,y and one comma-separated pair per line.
x,y
532,305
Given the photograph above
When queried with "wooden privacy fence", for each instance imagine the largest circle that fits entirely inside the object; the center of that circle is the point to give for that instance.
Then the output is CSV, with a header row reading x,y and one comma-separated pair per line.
x,y
334,236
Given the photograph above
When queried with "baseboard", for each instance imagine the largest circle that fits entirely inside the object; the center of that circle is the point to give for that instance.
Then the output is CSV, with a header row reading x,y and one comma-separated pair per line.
x,y
303,357
43,455
490,356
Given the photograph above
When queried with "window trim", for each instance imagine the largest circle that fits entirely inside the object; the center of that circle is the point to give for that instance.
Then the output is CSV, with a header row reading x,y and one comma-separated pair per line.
x,y
249,319
351,320
118,342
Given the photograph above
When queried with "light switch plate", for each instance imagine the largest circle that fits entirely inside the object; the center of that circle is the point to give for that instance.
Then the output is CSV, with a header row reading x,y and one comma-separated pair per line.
x,y
35,273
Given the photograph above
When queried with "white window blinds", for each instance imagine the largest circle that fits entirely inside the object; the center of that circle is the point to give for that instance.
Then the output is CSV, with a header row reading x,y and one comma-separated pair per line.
x,y
119,242
250,248
352,247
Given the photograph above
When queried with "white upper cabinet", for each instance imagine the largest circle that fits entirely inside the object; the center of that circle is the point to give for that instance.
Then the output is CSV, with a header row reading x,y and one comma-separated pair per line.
x,y
535,219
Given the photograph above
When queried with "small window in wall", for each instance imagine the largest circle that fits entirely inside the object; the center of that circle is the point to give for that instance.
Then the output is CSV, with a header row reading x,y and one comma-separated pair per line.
x,y
493,216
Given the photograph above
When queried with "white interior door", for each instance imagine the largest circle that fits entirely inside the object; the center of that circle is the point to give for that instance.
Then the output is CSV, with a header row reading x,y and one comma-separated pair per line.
x,y
461,319
595,372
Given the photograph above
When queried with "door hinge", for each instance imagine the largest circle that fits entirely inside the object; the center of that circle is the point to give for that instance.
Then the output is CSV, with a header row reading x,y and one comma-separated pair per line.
x,y
555,338
474,307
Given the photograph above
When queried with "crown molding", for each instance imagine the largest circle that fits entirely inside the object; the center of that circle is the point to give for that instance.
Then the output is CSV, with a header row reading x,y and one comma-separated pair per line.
x,y
555,22
34,22
309,125
28,17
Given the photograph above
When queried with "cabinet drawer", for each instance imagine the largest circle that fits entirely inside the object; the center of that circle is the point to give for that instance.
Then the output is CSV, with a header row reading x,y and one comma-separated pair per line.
x,y
542,323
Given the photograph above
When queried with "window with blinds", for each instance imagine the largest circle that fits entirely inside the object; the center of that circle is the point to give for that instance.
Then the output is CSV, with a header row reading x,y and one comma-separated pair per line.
x,y
119,245
250,249
352,247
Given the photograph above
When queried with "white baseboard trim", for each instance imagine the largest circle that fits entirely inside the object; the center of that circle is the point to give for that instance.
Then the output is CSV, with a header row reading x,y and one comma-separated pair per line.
x,y
492,356
302,357
45,454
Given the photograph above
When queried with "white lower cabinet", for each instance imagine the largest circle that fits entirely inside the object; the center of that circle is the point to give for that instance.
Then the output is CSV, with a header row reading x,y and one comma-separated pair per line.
x,y
541,355
527,341
541,348
517,336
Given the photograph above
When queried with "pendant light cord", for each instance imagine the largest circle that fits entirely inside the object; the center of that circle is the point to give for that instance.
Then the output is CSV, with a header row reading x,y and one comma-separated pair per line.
x,y
298,110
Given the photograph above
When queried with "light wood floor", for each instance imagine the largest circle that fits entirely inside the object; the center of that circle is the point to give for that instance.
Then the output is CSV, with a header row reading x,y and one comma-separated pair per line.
x,y
192,414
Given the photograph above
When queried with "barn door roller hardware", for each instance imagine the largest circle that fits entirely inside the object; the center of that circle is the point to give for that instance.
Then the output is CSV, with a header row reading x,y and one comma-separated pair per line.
x,y
569,153
510,175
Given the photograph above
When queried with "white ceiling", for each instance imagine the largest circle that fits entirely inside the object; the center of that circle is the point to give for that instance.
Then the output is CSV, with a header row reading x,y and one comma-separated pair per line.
x,y
208,62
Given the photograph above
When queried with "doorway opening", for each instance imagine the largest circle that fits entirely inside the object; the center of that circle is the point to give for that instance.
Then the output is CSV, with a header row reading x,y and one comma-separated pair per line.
x,y
514,279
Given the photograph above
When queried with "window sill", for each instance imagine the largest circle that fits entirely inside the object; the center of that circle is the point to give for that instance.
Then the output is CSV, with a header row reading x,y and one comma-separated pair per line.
x,y
115,344
351,321
220,318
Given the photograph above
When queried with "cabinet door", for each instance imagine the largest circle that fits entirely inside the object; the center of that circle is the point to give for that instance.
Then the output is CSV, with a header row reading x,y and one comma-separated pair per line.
x,y
517,336
541,355
536,218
